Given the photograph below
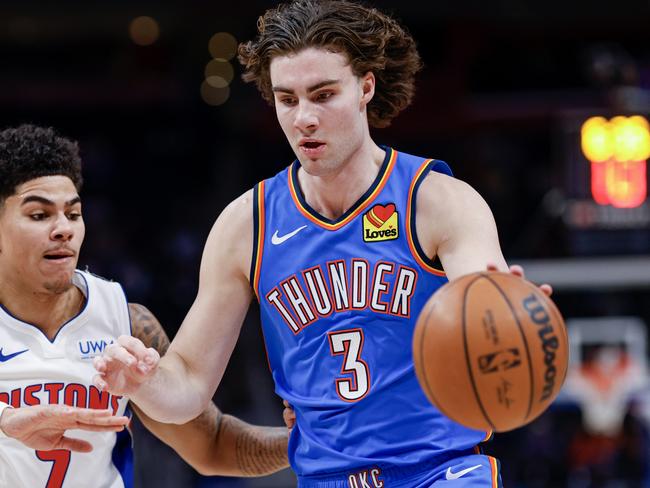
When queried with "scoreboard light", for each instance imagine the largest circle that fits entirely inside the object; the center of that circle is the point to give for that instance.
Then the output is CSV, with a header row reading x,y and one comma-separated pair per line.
x,y
618,150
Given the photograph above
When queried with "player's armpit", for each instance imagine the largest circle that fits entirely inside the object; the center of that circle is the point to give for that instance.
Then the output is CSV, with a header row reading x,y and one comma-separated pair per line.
x,y
218,444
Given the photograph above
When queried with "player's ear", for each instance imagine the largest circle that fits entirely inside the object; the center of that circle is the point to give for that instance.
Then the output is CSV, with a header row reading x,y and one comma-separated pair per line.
x,y
367,82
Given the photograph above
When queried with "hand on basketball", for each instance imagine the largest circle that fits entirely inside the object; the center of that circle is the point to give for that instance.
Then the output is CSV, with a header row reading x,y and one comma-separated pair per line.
x,y
288,415
517,270
43,427
125,366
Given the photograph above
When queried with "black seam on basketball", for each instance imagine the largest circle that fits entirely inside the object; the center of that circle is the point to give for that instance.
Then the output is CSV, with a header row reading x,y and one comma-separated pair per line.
x,y
523,336
429,391
468,363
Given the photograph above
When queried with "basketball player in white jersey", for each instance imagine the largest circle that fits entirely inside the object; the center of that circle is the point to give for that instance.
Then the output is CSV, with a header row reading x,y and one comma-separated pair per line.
x,y
54,319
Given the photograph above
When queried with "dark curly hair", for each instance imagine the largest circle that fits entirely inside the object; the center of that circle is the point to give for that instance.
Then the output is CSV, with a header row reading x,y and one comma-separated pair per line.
x,y
372,41
28,152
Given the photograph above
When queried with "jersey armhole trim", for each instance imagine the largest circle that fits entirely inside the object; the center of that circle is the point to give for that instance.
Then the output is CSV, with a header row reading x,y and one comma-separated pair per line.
x,y
432,266
258,237
128,309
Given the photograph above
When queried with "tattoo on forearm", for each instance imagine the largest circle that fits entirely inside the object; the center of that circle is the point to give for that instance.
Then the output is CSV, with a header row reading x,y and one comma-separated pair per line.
x,y
147,328
259,450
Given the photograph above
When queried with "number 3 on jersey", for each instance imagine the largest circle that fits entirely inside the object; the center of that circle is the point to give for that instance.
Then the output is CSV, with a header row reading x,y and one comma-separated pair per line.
x,y
349,344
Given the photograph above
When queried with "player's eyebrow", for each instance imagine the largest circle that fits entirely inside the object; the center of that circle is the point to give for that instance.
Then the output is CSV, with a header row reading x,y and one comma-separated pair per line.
x,y
310,89
45,201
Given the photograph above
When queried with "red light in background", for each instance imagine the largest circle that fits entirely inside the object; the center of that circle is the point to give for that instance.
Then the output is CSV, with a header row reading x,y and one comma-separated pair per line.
x,y
622,185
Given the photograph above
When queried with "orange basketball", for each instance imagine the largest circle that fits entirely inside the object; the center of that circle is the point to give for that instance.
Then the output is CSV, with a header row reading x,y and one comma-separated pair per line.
x,y
490,351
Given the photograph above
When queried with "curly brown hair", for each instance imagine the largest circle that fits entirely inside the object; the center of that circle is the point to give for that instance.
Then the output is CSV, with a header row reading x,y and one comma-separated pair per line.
x,y
28,152
372,41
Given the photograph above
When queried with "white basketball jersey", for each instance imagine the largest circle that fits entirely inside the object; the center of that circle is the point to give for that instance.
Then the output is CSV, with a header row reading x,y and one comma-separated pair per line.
x,y
35,370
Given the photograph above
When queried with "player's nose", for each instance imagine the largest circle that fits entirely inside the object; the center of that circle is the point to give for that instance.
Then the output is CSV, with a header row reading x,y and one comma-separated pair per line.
x,y
62,229
306,119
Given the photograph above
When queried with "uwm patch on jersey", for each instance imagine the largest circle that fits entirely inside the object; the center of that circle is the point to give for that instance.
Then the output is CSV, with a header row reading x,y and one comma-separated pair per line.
x,y
380,223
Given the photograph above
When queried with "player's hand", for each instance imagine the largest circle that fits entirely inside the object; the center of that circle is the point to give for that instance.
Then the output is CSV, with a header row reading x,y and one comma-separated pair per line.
x,y
288,415
517,270
124,366
43,427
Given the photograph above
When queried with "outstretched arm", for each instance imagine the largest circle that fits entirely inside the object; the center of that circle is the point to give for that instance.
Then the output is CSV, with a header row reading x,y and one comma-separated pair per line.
x,y
212,443
454,223
178,387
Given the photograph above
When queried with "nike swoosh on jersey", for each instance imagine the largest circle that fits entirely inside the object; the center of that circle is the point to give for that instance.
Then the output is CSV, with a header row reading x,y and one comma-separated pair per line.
x,y
7,357
450,475
276,239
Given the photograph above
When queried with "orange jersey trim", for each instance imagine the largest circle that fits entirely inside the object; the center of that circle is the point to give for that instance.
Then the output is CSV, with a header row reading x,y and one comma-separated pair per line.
x,y
259,245
326,225
410,231
495,472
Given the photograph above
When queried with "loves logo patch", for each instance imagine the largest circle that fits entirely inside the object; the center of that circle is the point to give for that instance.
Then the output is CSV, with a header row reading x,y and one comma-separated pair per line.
x,y
380,223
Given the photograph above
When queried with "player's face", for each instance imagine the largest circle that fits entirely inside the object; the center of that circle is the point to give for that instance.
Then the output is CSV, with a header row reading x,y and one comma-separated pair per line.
x,y
321,107
41,231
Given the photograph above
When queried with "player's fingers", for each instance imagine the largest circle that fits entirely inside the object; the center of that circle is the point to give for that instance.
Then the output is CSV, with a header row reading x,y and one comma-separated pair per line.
x,y
150,361
98,428
152,357
99,417
492,267
517,270
133,346
288,415
99,364
546,289
100,384
289,418
76,445
116,352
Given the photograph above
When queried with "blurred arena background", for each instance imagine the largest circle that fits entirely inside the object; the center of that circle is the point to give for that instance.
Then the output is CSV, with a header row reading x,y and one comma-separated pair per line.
x,y
169,134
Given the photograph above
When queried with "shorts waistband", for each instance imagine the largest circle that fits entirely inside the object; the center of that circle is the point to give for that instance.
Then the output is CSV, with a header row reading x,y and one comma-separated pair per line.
x,y
385,472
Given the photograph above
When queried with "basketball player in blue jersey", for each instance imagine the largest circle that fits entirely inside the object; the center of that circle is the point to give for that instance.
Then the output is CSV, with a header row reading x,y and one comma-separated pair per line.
x,y
341,249
55,318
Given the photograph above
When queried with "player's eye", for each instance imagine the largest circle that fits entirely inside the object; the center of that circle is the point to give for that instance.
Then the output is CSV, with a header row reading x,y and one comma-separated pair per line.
x,y
74,215
324,96
289,101
37,216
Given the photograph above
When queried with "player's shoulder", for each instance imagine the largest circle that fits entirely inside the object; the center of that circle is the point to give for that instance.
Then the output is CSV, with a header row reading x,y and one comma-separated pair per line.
x,y
446,193
234,226
239,212
230,242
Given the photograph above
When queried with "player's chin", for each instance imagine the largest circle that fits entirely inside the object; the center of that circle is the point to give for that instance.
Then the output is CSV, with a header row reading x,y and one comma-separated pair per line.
x,y
316,167
58,282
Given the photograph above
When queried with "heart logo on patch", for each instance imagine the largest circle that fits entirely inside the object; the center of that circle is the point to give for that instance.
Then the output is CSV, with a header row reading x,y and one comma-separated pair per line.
x,y
379,214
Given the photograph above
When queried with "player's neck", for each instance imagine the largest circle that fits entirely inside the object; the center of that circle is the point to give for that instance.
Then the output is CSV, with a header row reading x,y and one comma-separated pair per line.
x,y
47,311
331,195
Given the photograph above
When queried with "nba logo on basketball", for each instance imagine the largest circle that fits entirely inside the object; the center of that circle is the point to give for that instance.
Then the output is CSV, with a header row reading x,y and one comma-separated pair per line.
x,y
380,223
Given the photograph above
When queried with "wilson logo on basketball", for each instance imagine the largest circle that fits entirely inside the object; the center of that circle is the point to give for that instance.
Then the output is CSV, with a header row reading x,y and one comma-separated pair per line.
x,y
550,342
380,223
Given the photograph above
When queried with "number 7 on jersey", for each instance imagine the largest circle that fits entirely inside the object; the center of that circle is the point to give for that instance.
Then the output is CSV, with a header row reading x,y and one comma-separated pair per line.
x,y
349,344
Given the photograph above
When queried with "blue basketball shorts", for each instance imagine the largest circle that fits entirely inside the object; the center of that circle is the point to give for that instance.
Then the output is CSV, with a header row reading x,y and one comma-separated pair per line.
x,y
468,471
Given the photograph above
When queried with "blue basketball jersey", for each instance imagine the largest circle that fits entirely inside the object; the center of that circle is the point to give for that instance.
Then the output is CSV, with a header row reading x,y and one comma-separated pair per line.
x,y
339,301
